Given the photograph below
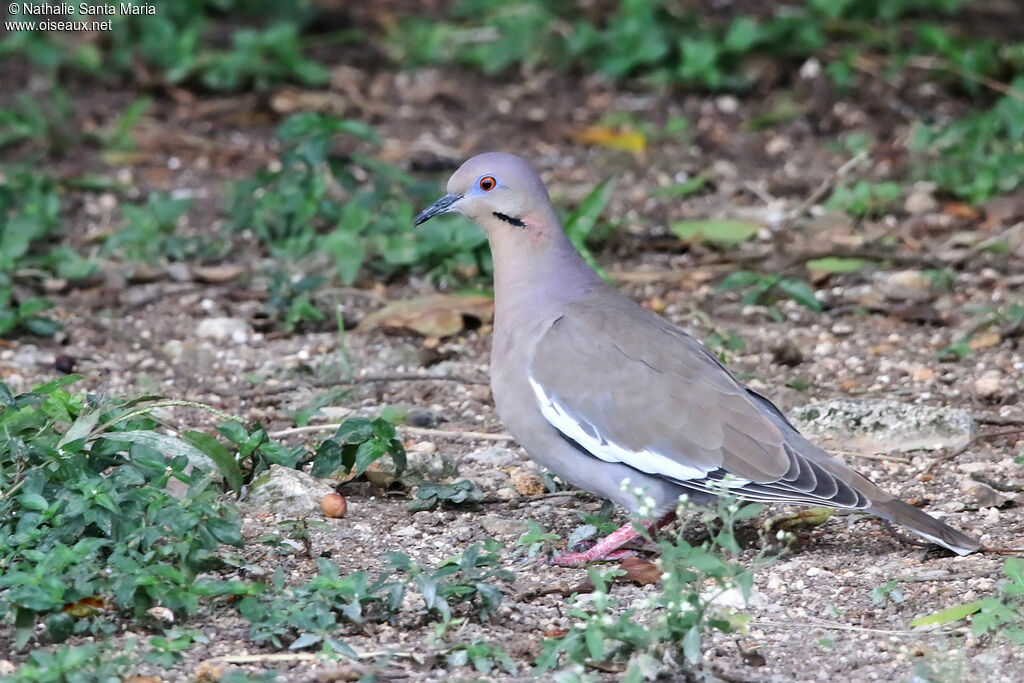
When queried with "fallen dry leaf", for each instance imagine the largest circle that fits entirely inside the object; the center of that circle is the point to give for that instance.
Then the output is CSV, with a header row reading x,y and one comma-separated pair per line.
x,y
214,275
960,210
985,341
810,517
640,571
526,482
88,606
603,136
437,315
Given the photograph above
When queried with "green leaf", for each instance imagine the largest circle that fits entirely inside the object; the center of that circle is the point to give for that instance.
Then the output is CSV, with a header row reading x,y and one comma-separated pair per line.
x,y
691,645
684,189
220,456
354,430
328,459
170,446
949,615
801,293
304,641
59,626
839,264
80,428
739,280
595,643
367,453
718,230
348,251
33,501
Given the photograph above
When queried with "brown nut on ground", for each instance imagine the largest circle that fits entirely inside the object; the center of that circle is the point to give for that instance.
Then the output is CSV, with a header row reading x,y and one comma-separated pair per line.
x,y
334,505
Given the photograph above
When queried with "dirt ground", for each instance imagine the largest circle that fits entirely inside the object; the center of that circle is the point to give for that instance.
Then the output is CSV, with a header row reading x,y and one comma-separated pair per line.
x,y
814,616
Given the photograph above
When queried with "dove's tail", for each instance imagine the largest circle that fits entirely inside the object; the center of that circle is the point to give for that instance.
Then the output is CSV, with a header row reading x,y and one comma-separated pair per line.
x,y
898,512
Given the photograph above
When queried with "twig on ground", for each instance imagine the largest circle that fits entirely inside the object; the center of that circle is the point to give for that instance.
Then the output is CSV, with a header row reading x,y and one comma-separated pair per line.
x,y
811,622
523,500
323,383
949,577
999,420
419,431
872,456
826,185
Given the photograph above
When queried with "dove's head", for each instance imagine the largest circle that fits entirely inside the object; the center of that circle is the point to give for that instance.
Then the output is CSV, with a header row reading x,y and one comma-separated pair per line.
x,y
496,191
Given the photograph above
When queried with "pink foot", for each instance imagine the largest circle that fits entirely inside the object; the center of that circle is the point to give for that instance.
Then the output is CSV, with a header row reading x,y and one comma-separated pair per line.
x,y
608,548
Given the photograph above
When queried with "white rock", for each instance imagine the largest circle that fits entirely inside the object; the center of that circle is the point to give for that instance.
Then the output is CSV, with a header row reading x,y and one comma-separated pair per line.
x,y
335,413
810,69
420,466
877,426
733,597
284,491
174,349
981,495
989,385
235,329
500,526
903,285
495,456
920,202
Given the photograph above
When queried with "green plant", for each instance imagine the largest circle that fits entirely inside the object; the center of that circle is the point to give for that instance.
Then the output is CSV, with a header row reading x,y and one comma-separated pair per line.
x,y
766,289
260,59
356,444
668,631
167,650
483,656
978,156
462,579
430,495
864,198
151,230
290,302
1001,615
311,614
30,207
890,591
43,120
23,316
184,44
537,540
583,226
78,664
86,515
352,208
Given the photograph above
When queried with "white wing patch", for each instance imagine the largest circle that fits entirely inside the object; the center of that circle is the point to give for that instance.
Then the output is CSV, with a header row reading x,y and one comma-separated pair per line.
x,y
647,461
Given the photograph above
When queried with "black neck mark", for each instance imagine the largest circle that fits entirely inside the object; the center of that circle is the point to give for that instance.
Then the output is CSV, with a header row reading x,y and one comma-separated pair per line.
x,y
509,219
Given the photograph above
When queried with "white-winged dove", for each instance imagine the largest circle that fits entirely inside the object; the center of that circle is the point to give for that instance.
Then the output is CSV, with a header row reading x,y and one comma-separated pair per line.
x,y
600,390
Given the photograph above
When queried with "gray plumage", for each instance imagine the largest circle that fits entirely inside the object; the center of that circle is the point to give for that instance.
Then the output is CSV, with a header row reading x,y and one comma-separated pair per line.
x,y
598,389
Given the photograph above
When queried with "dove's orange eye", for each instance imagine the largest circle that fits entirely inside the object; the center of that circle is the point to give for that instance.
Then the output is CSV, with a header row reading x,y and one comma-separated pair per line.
x,y
487,183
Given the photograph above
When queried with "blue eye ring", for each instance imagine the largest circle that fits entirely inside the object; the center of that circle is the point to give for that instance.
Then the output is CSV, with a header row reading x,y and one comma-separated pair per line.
x,y
487,183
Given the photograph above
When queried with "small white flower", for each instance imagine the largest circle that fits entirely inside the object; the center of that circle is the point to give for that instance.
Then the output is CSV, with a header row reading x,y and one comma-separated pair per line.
x,y
638,491
666,576
607,620
649,502
780,535
624,484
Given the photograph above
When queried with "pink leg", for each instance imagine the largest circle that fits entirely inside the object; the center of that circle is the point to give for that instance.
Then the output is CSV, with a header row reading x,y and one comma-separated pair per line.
x,y
608,547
